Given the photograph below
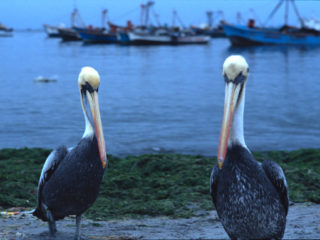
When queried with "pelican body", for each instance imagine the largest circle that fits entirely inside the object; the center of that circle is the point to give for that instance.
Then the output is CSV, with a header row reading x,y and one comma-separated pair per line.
x,y
70,178
251,198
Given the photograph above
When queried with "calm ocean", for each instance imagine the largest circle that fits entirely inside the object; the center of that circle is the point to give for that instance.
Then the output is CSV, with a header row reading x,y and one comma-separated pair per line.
x,y
156,98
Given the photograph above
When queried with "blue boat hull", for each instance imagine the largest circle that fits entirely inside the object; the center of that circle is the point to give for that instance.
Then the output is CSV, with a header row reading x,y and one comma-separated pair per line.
x,y
244,36
98,37
123,38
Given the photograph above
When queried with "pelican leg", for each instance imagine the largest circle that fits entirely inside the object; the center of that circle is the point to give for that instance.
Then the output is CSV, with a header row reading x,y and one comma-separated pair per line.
x,y
78,225
51,223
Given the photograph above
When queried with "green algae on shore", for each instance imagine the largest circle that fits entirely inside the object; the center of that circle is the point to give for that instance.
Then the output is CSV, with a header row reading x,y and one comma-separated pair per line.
x,y
172,185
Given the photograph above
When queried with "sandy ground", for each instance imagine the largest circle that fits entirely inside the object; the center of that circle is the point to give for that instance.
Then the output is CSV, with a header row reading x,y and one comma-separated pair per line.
x,y
303,223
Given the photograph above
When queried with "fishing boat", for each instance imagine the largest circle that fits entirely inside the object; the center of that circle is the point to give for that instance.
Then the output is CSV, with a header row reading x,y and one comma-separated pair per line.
x,y
91,35
52,31
99,34
5,31
69,34
66,33
144,36
240,35
160,37
245,36
147,34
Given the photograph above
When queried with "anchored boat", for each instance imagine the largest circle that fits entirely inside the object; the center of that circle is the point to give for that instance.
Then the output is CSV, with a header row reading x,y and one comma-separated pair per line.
x,y
97,36
240,35
161,37
246,36
5,31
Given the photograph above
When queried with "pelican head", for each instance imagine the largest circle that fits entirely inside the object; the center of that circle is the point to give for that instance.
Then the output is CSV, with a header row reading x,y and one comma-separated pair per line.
x,y
235,68
235,72
90,76
88,82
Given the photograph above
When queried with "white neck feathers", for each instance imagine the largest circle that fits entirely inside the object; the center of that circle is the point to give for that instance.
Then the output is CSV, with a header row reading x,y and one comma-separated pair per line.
x,y
236,131
88,131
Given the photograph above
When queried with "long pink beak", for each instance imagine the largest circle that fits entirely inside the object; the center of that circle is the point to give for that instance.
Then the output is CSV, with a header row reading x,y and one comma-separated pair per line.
x,y
231,96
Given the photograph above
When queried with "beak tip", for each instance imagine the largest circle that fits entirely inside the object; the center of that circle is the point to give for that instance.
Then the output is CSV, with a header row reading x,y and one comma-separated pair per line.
x,y
104,162
220,162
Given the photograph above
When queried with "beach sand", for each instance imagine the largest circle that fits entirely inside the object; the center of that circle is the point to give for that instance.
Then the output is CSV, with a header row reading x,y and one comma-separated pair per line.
x,y
303,222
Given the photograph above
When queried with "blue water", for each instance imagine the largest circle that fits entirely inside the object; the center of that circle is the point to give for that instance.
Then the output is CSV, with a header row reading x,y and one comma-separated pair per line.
x,y
157,98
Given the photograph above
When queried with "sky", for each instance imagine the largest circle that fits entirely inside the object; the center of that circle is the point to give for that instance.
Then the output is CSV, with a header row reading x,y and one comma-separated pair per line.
x,y
22,14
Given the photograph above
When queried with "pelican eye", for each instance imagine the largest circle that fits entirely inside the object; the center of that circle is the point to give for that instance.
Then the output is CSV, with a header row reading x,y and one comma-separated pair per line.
x,y
239,79
226,79
87,87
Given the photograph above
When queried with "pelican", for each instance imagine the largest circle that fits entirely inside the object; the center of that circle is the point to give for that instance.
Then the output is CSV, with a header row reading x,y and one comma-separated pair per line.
x,y
251,198
70,178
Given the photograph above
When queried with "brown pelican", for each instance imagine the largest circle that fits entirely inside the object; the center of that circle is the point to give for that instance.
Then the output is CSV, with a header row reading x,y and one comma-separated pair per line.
x,y
70,178
251,198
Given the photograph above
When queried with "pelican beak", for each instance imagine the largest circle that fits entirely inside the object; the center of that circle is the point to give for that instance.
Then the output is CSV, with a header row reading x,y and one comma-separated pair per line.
x,y
95,112
231,100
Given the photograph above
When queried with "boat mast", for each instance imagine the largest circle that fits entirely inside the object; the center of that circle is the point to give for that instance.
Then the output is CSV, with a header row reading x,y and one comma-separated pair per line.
x,y
76,18
73,17
174,17
297,13
273,11
156,16
286,14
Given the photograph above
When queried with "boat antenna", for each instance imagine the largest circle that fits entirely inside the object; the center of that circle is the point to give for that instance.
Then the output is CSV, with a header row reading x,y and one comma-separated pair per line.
x,y
273,11
210,18
220,14
142,13
175,16
156,16
148,6
239,18
103,17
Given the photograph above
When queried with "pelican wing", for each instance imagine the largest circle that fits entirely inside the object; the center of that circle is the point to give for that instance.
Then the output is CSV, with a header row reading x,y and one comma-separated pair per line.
x,y
50,165
214,183
278,179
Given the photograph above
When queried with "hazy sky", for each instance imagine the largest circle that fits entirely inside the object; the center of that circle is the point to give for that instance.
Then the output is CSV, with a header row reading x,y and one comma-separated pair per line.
x,y
33,13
